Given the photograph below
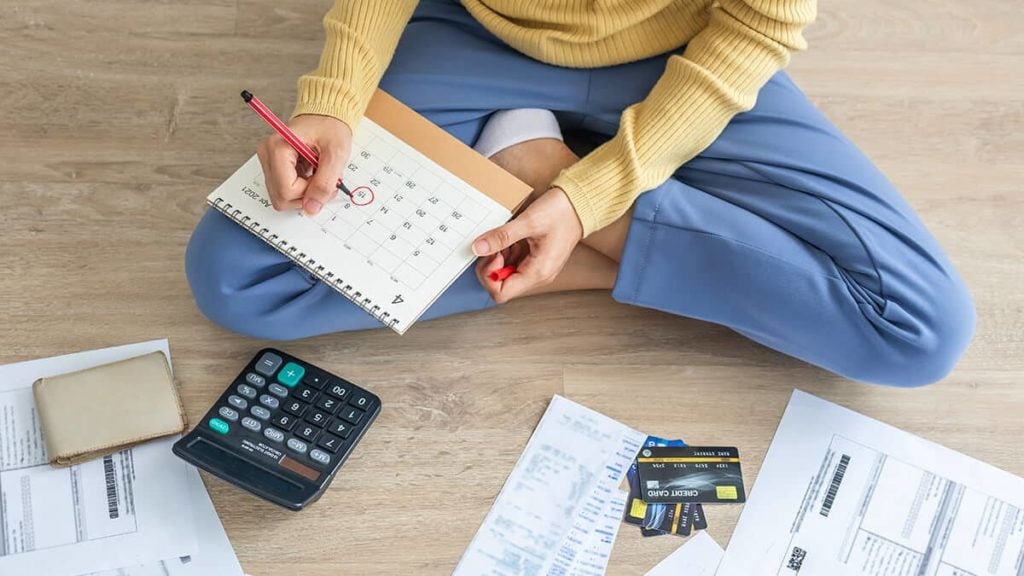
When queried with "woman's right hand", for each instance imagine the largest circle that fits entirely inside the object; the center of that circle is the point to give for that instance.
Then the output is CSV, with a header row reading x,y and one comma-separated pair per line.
x,y
291,182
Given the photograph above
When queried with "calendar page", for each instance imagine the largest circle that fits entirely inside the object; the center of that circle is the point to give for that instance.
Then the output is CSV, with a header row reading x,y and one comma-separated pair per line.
x,y
395,245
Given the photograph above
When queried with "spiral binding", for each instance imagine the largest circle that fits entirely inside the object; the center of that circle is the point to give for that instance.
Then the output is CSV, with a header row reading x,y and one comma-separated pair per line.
x,y
307,263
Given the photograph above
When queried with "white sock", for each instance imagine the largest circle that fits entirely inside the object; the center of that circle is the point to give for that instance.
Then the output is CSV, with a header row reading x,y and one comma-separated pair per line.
x,y
510,127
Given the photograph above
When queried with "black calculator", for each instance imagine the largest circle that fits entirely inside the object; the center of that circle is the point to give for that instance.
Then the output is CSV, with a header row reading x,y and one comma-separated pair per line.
x,y
281,430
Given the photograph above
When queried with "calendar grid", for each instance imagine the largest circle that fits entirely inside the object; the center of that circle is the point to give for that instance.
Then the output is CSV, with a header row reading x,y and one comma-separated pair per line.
x,y
364,231
395,247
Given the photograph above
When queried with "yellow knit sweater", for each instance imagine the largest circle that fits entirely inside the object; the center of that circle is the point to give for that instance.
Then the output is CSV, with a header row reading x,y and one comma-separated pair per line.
x,y
732,48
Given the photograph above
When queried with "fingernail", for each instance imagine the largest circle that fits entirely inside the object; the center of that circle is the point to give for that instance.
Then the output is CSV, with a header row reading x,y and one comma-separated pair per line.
x,y
313,207
481,247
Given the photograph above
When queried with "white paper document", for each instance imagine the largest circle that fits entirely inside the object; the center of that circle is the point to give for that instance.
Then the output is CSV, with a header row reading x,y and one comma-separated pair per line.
x,y
842,494
588,546
215,556
559,510
138,507
698,556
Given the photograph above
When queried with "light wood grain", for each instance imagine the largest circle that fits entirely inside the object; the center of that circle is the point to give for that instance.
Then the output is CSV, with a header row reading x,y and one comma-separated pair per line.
x,y
119,116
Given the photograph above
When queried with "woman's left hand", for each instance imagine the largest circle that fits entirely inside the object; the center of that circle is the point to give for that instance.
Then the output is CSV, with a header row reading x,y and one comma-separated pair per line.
x,y
537,242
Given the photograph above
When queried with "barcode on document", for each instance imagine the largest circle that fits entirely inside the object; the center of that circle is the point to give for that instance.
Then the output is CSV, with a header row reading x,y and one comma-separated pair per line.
x,y
108,475
837,479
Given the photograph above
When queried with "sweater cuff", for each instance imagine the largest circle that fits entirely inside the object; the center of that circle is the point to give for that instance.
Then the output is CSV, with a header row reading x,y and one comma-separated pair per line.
x,y
577,195
600,186
329,97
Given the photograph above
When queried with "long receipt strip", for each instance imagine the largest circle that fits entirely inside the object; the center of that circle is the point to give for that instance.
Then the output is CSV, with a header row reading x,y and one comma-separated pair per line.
x,y
842,494
698,556
560,508
138,512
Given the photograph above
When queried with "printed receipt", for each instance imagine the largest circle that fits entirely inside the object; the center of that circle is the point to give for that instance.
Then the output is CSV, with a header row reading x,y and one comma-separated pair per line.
x,y
140,507
841,494
560,508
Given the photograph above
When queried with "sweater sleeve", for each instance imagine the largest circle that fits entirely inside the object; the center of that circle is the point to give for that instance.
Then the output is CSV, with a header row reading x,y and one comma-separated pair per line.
x,y
718,75
361,36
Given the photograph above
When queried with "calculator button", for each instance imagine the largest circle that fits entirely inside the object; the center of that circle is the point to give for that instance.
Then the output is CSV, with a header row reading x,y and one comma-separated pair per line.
x,y
290,374
329,442
278,390
353,415
340,428
318,418
360,400
228,413
274,434
237,402
339,391
269,401
268,363
306,394
252,424
284,421
247,391
307,432
320,456
218,425
297,445
255,379
260,412
328,404
315,380
295,407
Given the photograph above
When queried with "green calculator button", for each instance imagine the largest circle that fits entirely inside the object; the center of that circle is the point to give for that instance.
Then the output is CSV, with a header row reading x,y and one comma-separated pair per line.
x,y
290,374
218,425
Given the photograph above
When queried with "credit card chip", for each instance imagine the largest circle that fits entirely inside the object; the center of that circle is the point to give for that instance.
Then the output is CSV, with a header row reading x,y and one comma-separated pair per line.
x,y
726,492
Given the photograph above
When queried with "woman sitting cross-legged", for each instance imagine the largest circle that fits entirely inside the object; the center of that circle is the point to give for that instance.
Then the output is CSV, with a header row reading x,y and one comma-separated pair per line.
x,y
706,184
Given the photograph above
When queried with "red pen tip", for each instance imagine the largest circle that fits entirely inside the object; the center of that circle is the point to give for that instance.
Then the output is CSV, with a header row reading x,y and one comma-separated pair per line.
x,y
247,96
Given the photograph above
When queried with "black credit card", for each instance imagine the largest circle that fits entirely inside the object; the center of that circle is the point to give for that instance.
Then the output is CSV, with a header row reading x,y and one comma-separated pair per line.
x,y
700,521
678,519
708,475
659,519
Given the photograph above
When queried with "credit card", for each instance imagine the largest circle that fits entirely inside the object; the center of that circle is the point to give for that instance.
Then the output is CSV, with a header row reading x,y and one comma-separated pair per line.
x,y
700,521
636,508
671,519
690,474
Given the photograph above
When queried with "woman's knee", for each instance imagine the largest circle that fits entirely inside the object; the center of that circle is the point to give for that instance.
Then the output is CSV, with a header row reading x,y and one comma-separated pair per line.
x,y
227,270
244,285
210,264
926,342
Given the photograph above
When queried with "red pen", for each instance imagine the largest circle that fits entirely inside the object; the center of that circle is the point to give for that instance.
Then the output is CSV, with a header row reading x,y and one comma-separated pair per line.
x,y
286,133
502,273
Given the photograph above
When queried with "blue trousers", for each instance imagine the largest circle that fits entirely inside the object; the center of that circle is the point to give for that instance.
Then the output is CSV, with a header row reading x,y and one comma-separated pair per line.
x,y
781,230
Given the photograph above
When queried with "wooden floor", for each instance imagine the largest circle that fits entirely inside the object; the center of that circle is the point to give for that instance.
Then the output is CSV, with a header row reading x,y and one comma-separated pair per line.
x,y
117,117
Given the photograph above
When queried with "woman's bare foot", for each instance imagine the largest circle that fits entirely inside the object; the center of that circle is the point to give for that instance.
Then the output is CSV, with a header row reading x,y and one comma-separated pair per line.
x,y
537,163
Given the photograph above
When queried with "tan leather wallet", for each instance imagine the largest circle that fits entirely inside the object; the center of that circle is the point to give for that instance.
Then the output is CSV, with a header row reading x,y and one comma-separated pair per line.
x,y
101,410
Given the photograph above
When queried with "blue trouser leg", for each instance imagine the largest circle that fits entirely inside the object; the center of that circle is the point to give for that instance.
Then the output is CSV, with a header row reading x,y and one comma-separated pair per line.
x,y
785,232
780,230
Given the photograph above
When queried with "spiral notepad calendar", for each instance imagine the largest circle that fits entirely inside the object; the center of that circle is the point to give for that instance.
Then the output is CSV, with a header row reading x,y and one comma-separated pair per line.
x,y
419,199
